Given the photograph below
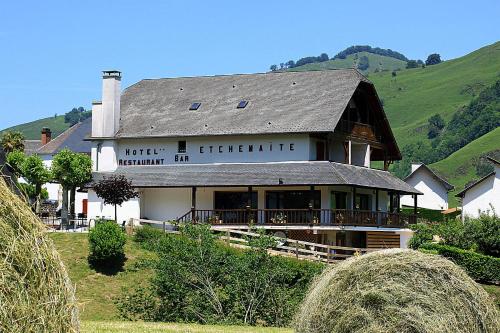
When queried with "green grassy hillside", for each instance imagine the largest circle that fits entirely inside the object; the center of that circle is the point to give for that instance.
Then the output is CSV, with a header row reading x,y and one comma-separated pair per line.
x,y
32,129
459,167
376,62
414,95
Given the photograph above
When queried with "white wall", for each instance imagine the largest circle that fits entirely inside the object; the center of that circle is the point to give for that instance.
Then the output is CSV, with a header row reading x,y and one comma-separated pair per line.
x,y
103,154
481,196
435,195
97,209
163,204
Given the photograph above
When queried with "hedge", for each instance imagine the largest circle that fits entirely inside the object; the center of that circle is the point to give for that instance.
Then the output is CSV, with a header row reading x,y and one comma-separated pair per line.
x,y
480,267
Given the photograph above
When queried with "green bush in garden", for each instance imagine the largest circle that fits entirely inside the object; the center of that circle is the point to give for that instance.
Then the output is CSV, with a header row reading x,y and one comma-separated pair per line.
x,y
480,267
200,279
106,245
146,235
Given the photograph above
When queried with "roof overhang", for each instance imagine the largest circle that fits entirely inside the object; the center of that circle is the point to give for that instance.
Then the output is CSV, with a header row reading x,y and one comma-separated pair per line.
x,y
261,175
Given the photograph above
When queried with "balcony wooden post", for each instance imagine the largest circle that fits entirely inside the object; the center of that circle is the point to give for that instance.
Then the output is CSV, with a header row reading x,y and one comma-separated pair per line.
x,y
249,203
354,198
415,204
193,203
391,202
398,198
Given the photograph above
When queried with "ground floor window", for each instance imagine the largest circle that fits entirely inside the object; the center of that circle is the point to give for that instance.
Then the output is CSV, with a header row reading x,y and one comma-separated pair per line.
x,y
233,200
292,199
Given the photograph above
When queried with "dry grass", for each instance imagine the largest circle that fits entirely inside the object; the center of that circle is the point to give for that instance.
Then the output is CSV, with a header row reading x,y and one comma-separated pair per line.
x,y
36,294
140,327
400,291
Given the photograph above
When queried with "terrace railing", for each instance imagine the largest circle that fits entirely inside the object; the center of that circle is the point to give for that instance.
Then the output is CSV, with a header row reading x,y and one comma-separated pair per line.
x,y
298,217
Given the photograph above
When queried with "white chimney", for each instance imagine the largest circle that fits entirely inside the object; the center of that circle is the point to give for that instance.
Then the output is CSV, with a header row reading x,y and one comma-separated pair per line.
x,y
415,166
110,108
97,120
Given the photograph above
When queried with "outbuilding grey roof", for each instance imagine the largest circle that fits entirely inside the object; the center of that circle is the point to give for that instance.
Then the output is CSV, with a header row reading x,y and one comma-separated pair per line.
x,y
260,174
31,146
462,193
439,178
284,102
73,139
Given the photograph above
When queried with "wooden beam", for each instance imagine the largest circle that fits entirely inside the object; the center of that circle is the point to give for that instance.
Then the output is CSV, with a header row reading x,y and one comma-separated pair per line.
x,y
376,200
398,198
391,202
193,203
415,204
353,198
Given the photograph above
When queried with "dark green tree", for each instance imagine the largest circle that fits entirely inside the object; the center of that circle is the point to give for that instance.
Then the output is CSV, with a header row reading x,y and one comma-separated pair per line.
x,y
363,63
412,64
71,170
433,59
273,68
115,190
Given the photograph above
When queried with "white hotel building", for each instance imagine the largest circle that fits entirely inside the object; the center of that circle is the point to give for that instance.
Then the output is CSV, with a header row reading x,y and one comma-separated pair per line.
x,y
289,152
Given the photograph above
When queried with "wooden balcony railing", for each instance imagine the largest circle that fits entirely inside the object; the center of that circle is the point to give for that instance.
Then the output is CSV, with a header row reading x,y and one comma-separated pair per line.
x,y
359,129
298,217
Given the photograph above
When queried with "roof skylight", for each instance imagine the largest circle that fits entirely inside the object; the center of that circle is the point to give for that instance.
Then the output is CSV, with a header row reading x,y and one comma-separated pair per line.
x,y
242,104
195,106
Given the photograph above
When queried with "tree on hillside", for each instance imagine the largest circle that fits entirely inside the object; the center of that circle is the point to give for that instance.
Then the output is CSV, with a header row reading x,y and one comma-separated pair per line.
x,y
290,64
273,68
76,115
433,59
436,125
115,190
323,57
363,63
412,64
71,170
12,140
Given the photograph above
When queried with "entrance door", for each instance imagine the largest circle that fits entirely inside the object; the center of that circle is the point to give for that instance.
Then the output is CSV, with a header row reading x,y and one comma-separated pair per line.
x,y
85,205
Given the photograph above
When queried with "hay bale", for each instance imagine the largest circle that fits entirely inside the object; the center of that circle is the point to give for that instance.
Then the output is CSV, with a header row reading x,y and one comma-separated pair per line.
x,y
36,294
396,291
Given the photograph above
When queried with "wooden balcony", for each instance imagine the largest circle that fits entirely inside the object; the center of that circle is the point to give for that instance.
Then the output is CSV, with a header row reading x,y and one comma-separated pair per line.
x,y
359,130
299,217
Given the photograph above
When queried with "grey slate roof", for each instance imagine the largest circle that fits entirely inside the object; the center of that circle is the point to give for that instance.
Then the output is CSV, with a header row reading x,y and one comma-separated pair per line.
x,y
73,139
260,174
284,102
462,193
439,178
31,146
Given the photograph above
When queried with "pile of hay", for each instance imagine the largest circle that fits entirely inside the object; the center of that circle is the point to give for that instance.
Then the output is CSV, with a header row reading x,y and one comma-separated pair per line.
x,y
36,294
396,291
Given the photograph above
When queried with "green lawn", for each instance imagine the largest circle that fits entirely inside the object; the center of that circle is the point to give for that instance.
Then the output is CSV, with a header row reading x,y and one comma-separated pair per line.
x,y
32,129
140,327
95,291
414,95
458,167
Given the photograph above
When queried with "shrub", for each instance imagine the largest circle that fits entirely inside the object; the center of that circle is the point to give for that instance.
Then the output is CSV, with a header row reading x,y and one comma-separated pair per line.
x,y
106,244
200,279
396,291
422,233
479,267
147,235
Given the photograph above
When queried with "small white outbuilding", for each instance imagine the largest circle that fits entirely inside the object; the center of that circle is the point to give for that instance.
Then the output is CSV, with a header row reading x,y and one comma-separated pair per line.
x,y
483,195
434,188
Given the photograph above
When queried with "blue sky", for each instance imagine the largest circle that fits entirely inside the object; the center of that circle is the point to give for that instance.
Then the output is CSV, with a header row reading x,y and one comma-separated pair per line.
x,y
53,51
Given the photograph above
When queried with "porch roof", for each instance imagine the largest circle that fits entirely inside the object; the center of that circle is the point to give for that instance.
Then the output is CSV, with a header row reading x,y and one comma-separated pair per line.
x,y
260,174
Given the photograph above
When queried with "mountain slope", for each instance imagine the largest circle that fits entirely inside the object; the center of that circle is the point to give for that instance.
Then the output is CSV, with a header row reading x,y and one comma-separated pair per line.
x,y
375,61
414,95
33,129
459,167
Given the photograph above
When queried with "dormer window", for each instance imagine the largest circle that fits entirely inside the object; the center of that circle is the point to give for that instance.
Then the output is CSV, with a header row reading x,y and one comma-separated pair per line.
x,y
242,104
195,106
